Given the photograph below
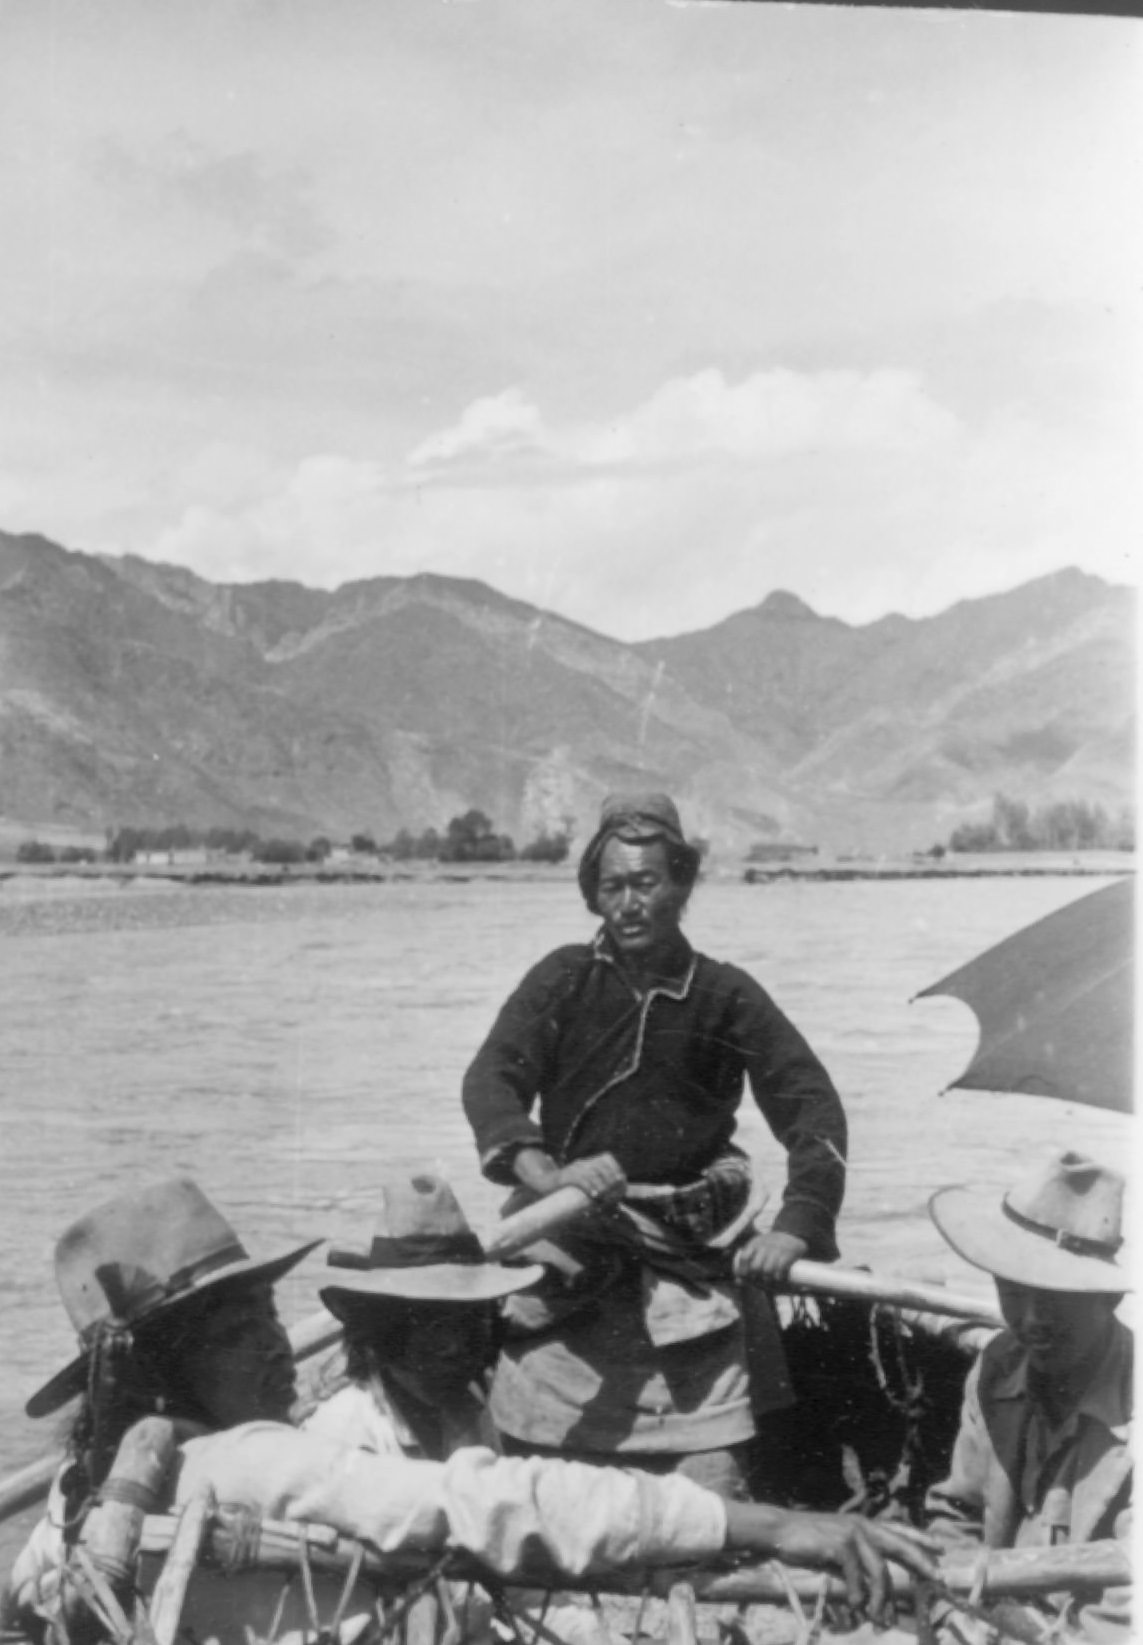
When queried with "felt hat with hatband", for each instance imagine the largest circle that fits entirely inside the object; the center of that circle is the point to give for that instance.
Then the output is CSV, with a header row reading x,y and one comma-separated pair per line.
x,y
1059,1229
139,1255
422,1249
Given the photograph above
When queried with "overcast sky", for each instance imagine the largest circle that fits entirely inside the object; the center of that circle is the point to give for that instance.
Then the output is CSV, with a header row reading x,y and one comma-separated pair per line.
x,y
634,310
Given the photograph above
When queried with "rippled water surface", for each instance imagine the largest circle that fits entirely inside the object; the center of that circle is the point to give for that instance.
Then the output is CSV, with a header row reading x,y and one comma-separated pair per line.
x,y
289,1046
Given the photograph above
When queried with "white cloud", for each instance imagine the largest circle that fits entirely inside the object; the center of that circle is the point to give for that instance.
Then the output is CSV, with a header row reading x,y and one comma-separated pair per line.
x,y
693,419
859,492
774,414
494,426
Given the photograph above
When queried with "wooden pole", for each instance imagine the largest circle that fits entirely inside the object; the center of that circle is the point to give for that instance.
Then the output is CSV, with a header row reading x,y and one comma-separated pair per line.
x,y
831,1280
1009,1573
513,1234
682,1622
166,1606
28,1485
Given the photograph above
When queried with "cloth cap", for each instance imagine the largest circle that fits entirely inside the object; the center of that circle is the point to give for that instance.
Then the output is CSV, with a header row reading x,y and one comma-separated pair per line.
x,y
640,816
633,818
423,1248
1059,1229
140,1254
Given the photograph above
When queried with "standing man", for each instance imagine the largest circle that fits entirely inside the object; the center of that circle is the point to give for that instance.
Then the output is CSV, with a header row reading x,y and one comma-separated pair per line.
x,y
1043,1455
618,1066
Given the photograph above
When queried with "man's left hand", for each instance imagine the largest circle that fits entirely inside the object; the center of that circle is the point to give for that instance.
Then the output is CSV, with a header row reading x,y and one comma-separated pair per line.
x,y
768,1257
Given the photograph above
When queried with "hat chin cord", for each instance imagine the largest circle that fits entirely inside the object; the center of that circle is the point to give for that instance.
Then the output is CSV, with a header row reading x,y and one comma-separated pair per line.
x,y
110,1355
105,1414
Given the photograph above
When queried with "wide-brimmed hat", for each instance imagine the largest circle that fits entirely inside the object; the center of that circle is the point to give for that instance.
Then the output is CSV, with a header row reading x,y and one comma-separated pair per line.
x,y
1059,1229
637,819
423,1249
138,1255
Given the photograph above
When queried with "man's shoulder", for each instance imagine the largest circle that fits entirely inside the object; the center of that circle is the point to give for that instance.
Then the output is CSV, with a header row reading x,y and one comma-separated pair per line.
x,y
555,975
568,960
723,977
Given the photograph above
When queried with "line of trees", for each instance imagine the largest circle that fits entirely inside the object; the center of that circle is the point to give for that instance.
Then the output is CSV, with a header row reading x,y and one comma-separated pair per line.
x,y
1065,825
124,844
467,838
37,851
473,838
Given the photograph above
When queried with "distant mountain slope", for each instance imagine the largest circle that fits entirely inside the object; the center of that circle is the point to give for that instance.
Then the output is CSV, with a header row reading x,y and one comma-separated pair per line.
x,y
115,706
137,692
1019,691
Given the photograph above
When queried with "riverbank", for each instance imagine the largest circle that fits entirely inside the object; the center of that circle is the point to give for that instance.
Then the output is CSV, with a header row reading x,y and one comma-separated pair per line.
x,y
974,866
240,873
379,871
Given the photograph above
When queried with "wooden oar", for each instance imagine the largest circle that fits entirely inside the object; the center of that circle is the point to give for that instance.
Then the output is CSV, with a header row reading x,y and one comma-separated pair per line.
x,y
317,1332
830,1280
513,1234
28,1485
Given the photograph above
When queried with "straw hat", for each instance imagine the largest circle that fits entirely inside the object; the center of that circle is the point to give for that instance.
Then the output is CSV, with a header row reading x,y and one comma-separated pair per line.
x,y
1059,1229
138,1255
423,1249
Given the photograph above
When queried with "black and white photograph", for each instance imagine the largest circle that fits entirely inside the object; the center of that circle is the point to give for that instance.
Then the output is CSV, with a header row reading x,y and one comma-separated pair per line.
x,y
567,821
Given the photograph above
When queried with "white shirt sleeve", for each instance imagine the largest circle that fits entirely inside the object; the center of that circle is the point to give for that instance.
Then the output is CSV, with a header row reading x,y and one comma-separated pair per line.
x,y
509,1510
503,1510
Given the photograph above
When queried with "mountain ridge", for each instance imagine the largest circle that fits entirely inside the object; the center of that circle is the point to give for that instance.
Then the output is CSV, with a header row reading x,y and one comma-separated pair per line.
x,y
137,692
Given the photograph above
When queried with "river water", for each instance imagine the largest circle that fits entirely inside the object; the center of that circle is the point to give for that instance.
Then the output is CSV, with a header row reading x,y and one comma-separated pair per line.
x,y
289,1046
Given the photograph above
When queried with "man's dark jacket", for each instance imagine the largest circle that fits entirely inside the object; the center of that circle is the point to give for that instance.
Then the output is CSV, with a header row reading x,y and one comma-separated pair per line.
x,y
656,1078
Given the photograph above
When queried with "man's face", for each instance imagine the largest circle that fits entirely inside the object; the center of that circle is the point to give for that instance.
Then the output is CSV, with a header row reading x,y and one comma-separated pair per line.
x,y
443,1348
639,903
238,1363
1057,1329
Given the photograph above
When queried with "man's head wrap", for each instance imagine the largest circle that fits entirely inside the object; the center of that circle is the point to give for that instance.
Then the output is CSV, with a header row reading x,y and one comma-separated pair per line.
x,y
637,819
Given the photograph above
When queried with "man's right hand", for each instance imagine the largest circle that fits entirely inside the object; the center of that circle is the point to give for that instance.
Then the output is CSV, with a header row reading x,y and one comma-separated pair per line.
x,y
855,1548
601,1177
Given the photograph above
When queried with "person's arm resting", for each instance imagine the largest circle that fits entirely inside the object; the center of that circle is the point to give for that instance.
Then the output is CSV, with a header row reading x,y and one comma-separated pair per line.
x,y
514,1513
505,1076
799,1103
503,1510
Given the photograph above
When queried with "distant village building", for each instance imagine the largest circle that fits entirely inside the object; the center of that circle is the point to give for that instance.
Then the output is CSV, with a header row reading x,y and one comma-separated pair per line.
x,y
188,857
780,851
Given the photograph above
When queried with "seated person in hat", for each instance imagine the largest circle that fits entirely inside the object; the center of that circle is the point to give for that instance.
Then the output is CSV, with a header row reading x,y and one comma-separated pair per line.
x,y
618,1066
420,1310
1043,1452
175,1317
421,1318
